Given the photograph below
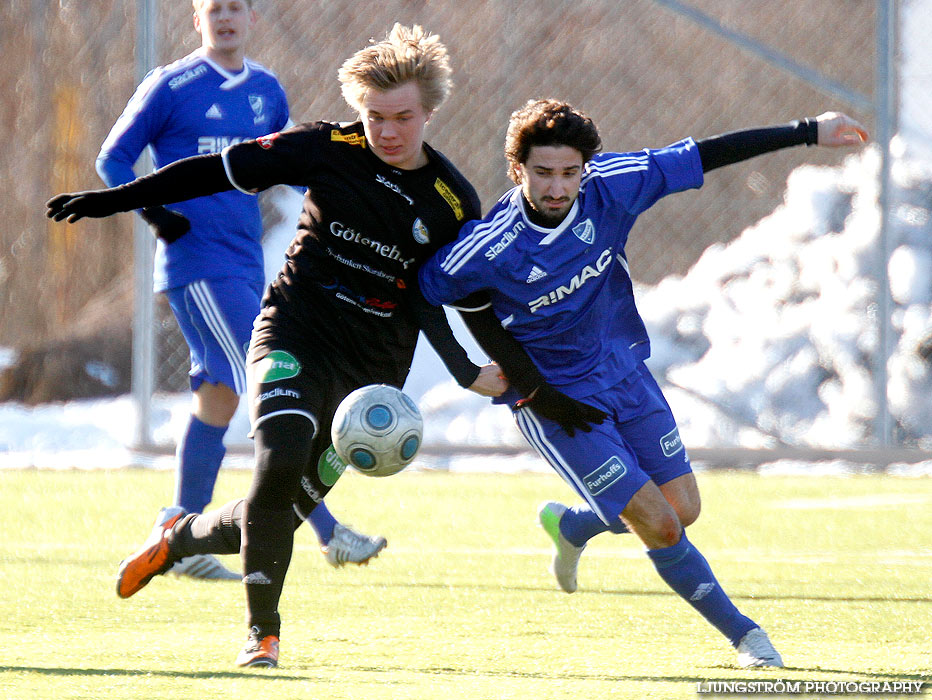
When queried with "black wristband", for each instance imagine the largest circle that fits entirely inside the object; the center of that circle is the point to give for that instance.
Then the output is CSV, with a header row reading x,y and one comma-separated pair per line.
x,y
467,376
812,131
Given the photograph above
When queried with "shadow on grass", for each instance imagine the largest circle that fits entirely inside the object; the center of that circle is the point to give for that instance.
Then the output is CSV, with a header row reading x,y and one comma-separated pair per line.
x,y
130,672
764,674
821,673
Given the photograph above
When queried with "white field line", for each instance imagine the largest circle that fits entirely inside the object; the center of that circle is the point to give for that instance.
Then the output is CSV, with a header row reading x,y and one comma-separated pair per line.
x,y
889,500
921,558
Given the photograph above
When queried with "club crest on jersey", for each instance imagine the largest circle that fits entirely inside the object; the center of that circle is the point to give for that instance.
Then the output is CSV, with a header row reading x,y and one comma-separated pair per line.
x,y
257,102
585,231
577,281
420,232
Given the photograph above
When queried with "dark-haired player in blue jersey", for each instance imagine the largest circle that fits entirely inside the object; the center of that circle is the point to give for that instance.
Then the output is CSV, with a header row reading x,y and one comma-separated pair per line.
x,y
208,260
549,258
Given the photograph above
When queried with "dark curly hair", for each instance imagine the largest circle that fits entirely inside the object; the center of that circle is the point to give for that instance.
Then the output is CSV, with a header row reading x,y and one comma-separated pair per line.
x,y
548,123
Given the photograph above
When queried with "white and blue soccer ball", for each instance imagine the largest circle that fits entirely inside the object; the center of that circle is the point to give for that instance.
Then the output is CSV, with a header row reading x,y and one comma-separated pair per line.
x,y
377,429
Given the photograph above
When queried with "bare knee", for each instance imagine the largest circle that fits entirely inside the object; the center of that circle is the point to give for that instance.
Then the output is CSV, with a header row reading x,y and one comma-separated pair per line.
x,y
652,518
666,533
215,404
683,494
658,532
688,512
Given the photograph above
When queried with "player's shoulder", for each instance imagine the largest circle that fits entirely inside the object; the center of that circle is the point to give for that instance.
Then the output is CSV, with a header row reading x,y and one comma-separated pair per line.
x,y
258,68
486,241
348,138
328,140
444,164
610,164
259,72
185,71
450,180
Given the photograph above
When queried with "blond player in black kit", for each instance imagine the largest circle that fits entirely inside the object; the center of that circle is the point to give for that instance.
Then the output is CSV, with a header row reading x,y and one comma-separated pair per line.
x,y
344,312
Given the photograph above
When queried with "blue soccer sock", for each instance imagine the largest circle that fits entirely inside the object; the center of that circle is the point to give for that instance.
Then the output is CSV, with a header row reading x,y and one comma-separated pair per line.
x,y
323,522
687,572
200,453
580,524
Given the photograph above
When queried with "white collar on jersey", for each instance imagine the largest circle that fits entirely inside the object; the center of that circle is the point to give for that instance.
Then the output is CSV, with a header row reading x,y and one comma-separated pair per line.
x,y
231,79
550,234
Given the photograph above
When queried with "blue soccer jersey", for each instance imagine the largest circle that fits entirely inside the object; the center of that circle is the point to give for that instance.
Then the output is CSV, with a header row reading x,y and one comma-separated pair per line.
x,y
190,107
565,293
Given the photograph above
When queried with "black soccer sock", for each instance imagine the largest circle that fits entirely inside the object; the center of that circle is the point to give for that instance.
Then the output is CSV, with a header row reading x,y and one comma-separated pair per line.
x,y
215,532
268,538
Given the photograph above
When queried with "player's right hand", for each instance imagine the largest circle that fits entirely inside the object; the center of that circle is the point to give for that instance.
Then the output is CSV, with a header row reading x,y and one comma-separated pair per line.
x,y
490,382
572,415
74,206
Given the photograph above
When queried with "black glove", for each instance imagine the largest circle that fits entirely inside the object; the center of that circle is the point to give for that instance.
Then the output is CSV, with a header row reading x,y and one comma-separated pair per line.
x,y
572,415
166,224
76,205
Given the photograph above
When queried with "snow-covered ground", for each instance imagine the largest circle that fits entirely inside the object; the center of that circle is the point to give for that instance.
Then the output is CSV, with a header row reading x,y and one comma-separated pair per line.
x,y
768,341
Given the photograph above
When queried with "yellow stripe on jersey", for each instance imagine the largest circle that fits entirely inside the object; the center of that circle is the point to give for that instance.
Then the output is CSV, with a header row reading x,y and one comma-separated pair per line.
x,y
455,204
351,139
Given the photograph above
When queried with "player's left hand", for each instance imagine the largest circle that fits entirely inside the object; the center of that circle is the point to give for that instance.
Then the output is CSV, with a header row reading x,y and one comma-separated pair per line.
x,y
74,206
490,382
837,129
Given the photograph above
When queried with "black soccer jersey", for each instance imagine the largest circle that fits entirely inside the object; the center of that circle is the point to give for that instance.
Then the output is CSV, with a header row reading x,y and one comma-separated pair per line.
x,y
364,230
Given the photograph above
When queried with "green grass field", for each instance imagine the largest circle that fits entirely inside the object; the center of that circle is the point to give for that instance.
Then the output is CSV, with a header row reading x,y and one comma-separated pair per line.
x,y
461,605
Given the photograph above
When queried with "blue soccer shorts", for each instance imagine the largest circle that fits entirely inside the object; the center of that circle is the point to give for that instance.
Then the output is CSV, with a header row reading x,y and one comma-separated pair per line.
x,y
639,441
216,317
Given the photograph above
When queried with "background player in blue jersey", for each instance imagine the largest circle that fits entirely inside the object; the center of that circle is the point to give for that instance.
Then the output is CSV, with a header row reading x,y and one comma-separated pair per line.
x,y
208,258
549,259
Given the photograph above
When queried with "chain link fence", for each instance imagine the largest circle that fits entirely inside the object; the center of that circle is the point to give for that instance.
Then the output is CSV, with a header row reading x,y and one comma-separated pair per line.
x,y
647,74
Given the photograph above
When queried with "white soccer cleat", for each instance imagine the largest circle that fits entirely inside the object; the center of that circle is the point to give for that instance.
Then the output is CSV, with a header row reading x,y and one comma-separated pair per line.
x,y
756,651
350,547
204,566
566,554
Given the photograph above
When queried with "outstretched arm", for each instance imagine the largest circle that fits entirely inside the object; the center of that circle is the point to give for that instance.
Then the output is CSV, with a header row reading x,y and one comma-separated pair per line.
x,y
832,129
184,179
